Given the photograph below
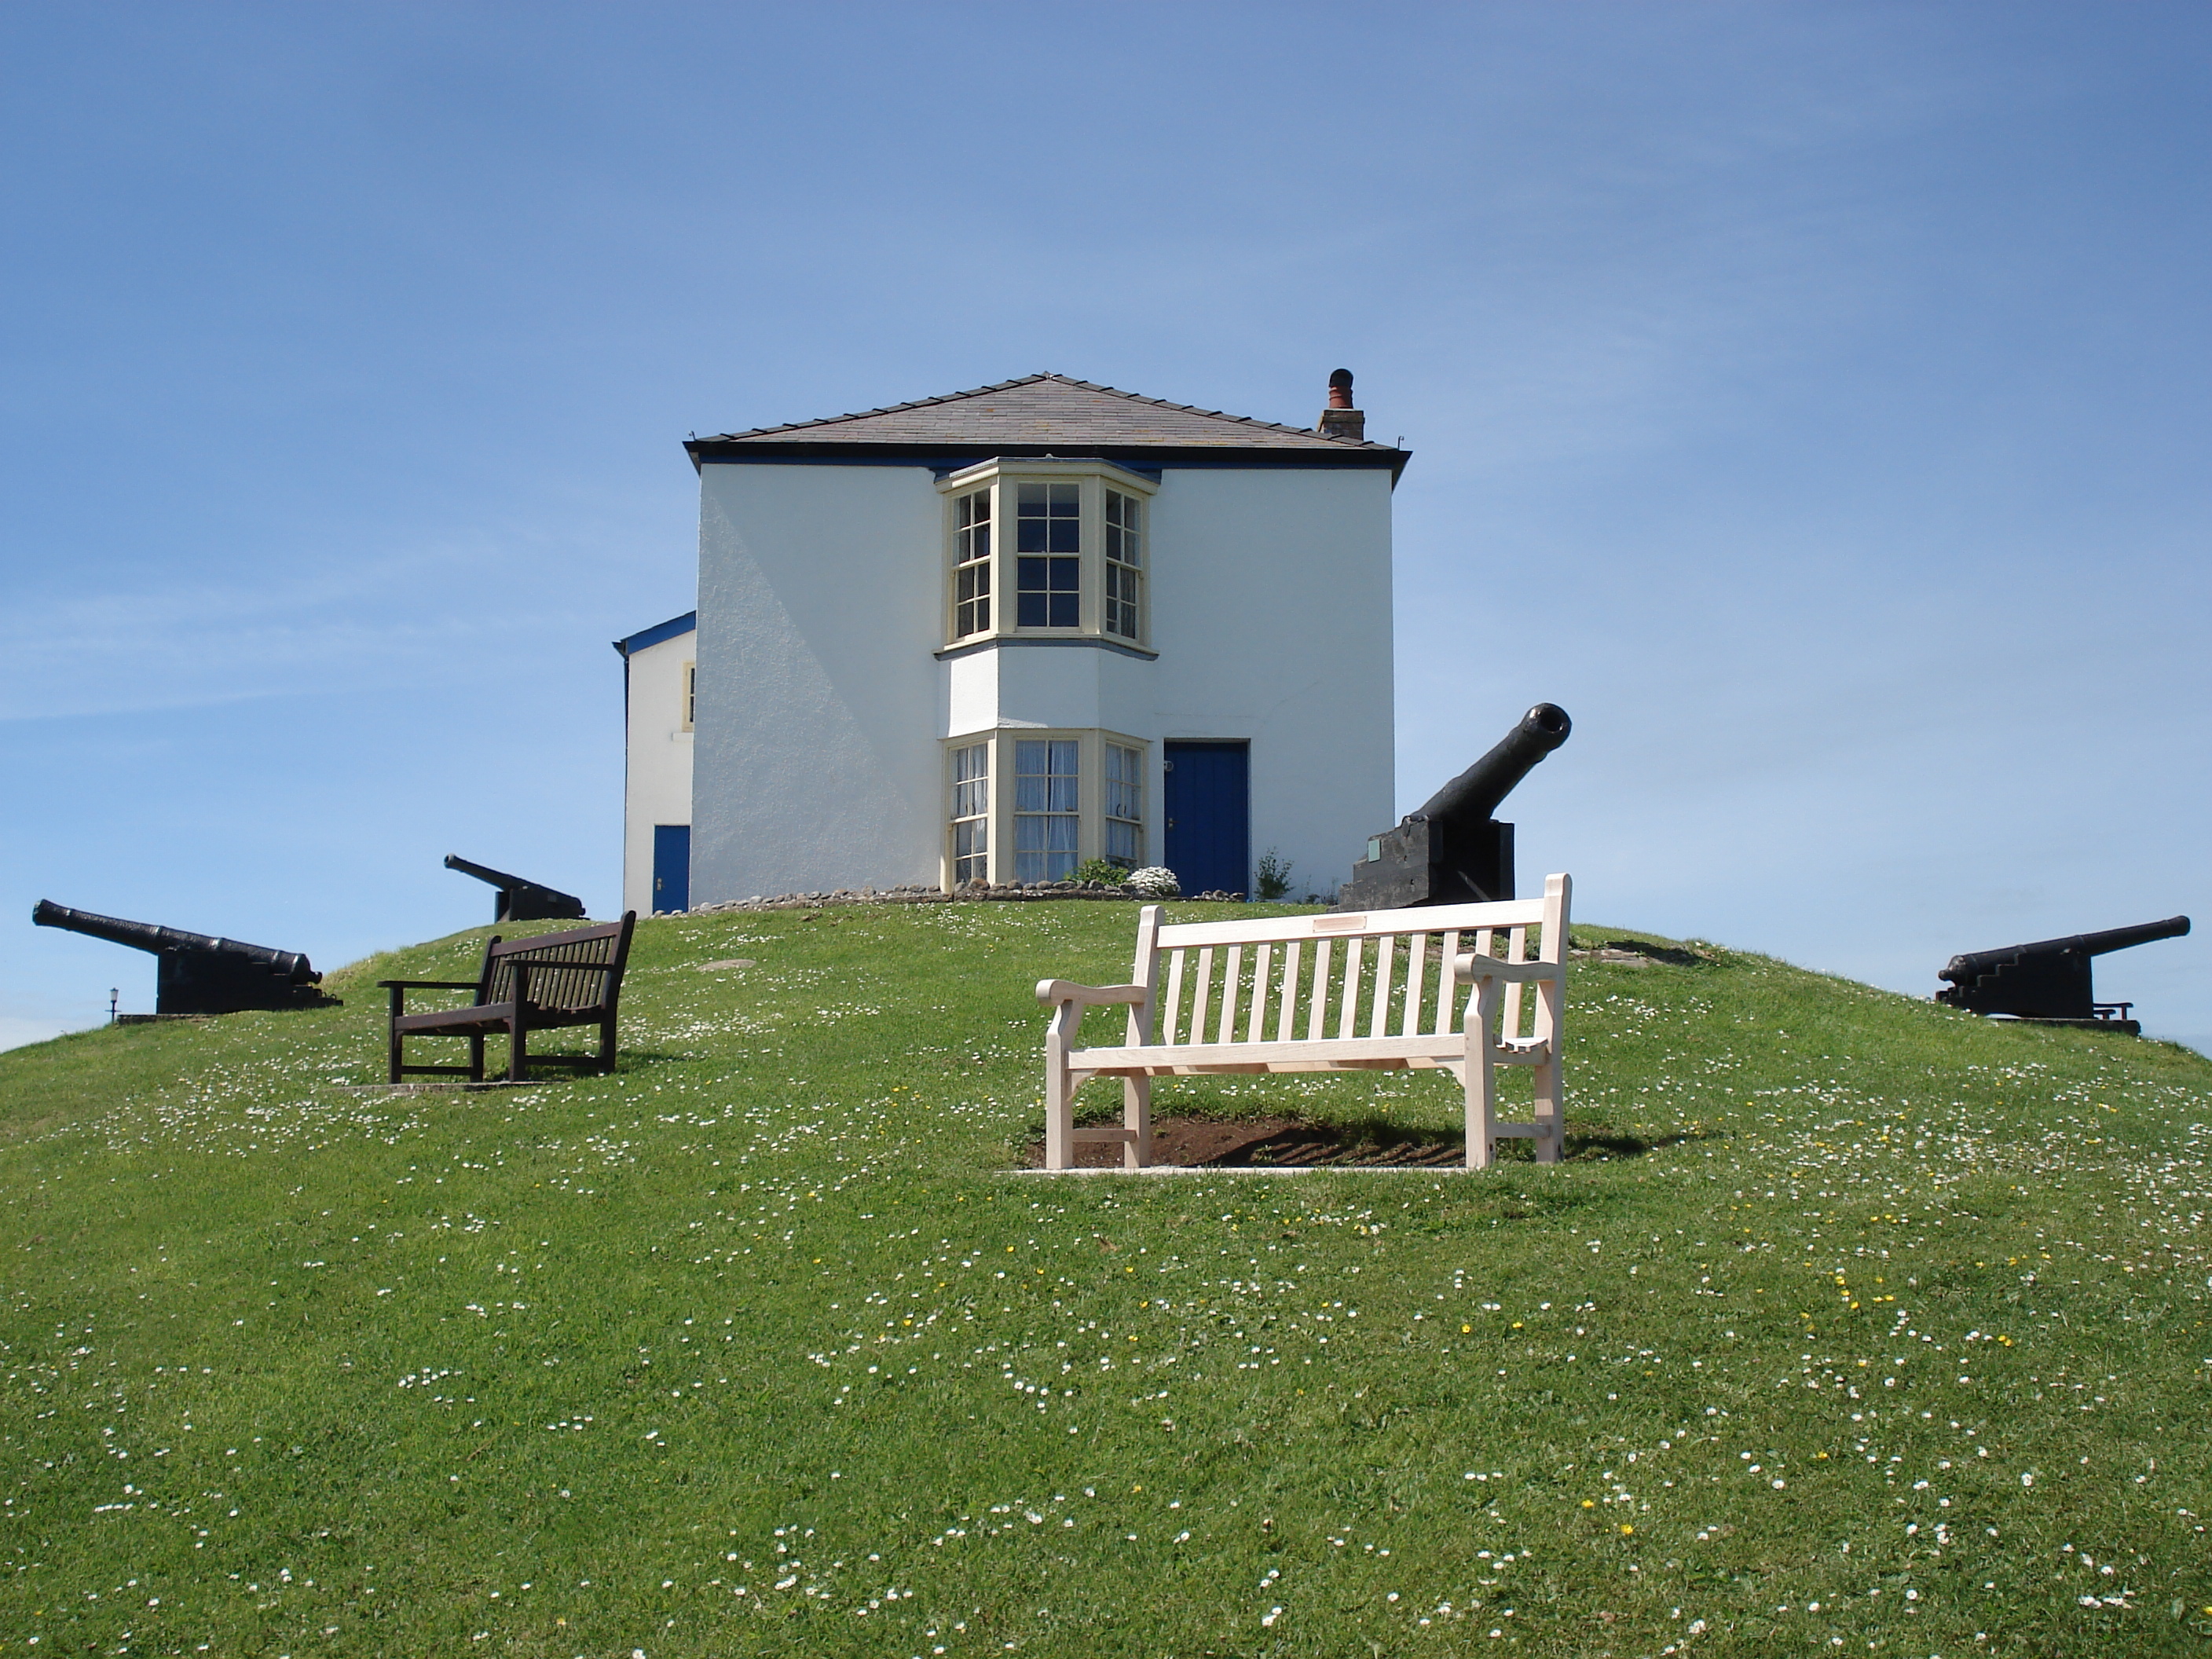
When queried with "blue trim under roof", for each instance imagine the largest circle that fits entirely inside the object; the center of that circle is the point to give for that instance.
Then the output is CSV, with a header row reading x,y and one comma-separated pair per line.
x,y
686,623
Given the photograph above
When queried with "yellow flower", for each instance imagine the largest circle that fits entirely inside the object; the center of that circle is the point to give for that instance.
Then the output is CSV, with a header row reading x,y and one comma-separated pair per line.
x,y
1588,1504
1625,1530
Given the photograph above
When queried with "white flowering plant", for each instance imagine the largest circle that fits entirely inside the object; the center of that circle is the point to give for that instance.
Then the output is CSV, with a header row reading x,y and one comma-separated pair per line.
x,y
1154,881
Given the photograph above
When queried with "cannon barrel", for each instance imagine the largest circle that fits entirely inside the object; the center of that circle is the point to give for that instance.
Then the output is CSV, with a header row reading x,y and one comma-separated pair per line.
x,y
519,900
485,872
288,965
1453,851
1969,964
1474,795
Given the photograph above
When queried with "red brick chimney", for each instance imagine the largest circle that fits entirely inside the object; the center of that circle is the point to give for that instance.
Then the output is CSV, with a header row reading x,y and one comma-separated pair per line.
x,y
1340,419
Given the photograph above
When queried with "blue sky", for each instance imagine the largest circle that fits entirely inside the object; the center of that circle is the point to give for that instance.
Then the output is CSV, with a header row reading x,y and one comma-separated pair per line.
x,y
1813,399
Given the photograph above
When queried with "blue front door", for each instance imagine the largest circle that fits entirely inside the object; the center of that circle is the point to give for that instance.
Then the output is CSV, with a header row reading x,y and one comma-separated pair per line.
x,y
1207,796
671,868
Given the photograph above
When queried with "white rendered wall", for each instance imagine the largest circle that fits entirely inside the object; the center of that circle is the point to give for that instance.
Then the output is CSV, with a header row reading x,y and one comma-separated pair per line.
x,y
818,758
656,772
1272,613
822,705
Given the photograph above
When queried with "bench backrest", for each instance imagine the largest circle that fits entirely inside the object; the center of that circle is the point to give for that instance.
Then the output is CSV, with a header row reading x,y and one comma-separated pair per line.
x,y
575,993
1334,977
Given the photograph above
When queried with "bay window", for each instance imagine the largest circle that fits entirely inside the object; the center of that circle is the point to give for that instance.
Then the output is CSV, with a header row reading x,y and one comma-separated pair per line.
x,y
1073,796
1075,565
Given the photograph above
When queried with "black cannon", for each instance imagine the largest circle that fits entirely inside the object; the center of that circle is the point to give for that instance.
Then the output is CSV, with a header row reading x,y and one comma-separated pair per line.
x,y
519,900
198,975
1452,851
2049,982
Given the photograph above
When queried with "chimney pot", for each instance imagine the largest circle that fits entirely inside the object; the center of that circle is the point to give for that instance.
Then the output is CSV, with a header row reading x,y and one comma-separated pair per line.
x,y
1340,419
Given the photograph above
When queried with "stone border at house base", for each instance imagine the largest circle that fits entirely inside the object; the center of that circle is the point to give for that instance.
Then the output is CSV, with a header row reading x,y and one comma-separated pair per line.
x,y
974,893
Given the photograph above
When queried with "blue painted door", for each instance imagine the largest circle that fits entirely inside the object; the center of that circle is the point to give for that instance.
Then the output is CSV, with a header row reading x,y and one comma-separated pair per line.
x,y
1207,794
671,868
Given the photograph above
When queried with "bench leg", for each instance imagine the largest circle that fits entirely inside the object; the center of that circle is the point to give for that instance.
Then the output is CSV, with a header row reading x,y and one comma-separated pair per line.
x,y
1137,1116
1480,1075
1551,1121
392,1033
1059,1104
476,1056
518,1050
606,1046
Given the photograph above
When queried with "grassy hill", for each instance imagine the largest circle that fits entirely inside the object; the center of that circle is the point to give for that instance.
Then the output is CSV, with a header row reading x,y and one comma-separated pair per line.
x,y
1851,1325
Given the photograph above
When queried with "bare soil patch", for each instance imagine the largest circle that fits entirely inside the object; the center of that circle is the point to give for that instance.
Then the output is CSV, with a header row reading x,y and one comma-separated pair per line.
x,y
1274,1143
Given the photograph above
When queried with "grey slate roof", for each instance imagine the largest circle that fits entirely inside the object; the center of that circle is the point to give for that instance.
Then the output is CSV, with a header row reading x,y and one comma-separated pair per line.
x,y
1075,416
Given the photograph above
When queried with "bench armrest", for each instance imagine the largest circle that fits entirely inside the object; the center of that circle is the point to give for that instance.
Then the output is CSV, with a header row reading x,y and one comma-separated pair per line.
x,y
398,988
1474,965
1053,992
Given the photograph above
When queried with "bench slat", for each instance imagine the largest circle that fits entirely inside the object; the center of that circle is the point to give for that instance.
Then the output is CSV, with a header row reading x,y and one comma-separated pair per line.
x,y
1258,1053
1516,950
1427,919
1386,952
1446,987
1231,1057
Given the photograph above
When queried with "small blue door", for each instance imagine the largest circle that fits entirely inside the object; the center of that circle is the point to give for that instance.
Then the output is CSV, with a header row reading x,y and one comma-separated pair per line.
x,y
1207,794
671,868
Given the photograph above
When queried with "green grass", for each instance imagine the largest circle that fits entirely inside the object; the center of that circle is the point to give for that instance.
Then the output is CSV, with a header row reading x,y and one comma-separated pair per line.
x,y
1844,1300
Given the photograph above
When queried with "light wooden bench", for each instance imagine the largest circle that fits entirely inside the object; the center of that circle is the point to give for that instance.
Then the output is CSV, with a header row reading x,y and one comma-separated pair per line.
x,y
1428,988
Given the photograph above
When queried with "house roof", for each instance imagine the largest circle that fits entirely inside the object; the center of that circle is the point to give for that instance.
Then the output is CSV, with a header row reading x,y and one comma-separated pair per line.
x,y
688,622
1042,414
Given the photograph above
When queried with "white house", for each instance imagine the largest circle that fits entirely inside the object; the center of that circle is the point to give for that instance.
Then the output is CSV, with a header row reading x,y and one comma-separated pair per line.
x,y
657,674
992,634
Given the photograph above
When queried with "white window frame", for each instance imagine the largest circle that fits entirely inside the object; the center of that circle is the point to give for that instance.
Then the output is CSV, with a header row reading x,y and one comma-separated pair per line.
x,y
1121,562
1001,479
1049,802
969,794
1091,794
1126,792
965,535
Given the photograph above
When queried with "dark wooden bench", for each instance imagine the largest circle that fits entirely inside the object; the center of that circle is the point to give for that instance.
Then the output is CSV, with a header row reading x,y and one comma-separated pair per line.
x,y
540,984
